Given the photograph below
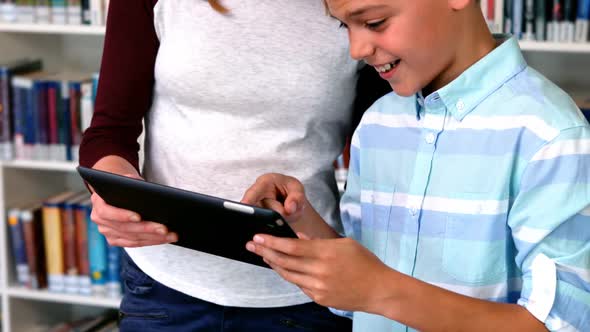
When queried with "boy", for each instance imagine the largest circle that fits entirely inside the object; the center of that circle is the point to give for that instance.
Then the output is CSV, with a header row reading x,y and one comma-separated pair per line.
x,y
471,206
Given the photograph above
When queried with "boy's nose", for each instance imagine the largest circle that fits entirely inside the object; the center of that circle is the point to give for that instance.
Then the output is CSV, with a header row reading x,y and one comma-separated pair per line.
x,y
360,48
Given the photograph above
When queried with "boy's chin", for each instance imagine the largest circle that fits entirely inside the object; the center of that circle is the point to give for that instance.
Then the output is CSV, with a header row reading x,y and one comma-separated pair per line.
x,y
403,90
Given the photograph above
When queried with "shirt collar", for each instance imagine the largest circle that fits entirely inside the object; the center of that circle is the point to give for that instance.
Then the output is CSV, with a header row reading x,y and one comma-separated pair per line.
x,y
480,80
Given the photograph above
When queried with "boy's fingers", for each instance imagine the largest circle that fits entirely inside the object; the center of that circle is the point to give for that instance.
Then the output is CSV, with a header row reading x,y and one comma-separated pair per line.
x,y
291,247
277,258
295,202
273,205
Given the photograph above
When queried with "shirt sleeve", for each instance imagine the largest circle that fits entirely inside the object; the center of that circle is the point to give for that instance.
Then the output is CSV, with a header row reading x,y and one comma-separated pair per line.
x,y
350,204
125,85
550,225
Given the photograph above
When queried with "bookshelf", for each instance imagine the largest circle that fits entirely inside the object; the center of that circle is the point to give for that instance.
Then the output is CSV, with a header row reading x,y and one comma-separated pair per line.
x,y
61,47
53,29
79,48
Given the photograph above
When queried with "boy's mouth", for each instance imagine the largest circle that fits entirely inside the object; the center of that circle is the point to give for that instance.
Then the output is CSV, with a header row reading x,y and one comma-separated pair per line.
x,y
387,67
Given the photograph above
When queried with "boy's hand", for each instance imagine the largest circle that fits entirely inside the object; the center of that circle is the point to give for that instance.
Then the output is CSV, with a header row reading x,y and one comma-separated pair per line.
x,y
124,228
338,273
278,192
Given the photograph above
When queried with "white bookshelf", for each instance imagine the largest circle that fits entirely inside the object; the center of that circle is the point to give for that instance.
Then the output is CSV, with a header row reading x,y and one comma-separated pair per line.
x,y
41,165
53,29
80,48
44,295
535,46
61,47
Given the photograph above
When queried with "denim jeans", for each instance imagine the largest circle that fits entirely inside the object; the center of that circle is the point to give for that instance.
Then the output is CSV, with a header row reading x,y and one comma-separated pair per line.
x,y
150,306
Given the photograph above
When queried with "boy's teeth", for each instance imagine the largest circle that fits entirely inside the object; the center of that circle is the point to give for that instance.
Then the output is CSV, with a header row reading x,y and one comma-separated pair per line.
x,y
387,67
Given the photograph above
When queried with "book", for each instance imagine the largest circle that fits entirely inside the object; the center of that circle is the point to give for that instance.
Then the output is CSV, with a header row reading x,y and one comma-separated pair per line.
x,y
84,283
582,22
566,28
18,247
86,105
32,220
7,71
529,20
43,11
85,6
540,20
8,11
518,18
508,10
59,11
70,246
25,11
52,235
97,254
74,12
96,12
555,20
498,16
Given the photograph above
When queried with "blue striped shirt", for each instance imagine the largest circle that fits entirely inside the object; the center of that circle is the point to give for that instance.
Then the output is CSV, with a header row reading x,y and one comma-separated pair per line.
x,y
481,188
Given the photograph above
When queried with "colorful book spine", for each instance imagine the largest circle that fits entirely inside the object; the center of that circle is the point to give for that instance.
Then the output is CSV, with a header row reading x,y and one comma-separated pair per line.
x,y
86,105
540,20
567,26
59,11
52,234
68,228
20,88
518,18
529,20
31,219
18,247
74,12
25,11
97,256
84,283
30,124
582,33
43,121
556,18
508,9
75,96
5,118
86,16
53,100
8,11
96,12
43,11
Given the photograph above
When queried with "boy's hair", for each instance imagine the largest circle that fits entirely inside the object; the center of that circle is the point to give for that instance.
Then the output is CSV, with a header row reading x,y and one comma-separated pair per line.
x,y
217,6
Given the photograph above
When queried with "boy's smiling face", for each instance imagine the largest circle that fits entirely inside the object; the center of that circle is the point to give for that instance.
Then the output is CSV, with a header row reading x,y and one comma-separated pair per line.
x,y
409,42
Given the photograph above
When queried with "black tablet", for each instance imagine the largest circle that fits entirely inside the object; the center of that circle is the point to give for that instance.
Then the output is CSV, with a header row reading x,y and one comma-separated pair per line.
x,y
205,223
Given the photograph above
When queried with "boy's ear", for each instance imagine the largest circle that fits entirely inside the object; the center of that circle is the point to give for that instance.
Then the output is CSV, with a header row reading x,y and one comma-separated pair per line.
x,y
460,4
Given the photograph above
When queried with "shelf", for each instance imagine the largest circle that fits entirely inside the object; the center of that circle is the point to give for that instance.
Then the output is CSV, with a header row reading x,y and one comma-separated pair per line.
x,y
53,29
65,166
44,295
554,47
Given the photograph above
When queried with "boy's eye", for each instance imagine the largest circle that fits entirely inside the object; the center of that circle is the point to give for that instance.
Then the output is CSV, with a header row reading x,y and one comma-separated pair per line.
x,y
374,24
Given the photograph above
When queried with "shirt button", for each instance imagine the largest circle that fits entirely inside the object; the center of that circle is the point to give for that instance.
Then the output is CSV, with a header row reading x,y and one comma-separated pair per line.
x,y
413,211
460,105
430,138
